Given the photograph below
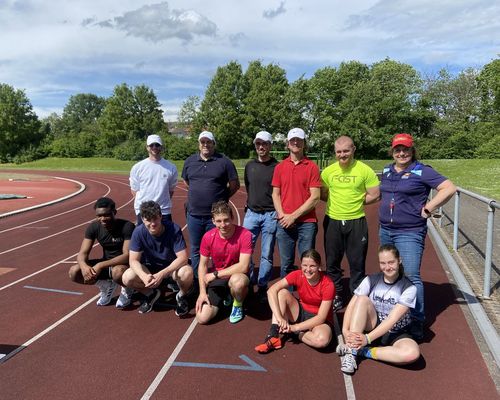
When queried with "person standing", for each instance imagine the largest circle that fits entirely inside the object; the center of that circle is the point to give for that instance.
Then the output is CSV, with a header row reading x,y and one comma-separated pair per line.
x,y
260,216
296,191
404,210
210,177
348,185
153,178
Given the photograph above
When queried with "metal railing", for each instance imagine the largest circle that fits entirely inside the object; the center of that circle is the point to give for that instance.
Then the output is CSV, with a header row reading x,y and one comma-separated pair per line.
x,y
491,206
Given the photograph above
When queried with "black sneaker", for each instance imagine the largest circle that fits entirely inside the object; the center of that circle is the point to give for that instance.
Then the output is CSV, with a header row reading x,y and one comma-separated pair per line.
x,y
338,304
262,295
417,329
147,305
182,305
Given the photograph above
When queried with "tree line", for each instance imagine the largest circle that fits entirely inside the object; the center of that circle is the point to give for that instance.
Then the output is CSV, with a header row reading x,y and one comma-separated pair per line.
x,y
450,116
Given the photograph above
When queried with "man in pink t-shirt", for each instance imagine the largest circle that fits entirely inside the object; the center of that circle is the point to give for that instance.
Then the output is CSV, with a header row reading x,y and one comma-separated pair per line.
x,y
225,254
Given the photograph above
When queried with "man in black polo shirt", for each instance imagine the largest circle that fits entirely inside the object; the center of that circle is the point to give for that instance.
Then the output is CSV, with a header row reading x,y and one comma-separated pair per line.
x,y
210,177
260,216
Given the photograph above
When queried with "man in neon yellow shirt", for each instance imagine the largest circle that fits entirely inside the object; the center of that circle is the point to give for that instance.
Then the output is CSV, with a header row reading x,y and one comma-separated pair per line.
x,y
348,185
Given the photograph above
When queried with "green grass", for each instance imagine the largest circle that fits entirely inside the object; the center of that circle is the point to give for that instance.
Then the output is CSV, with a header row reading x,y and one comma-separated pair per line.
x,y
480,176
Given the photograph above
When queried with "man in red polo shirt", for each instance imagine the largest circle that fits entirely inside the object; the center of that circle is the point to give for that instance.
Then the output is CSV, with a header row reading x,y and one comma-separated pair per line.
x,y
296,191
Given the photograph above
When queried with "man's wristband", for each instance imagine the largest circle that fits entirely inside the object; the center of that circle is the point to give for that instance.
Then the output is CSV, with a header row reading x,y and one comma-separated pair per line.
x,y
216,274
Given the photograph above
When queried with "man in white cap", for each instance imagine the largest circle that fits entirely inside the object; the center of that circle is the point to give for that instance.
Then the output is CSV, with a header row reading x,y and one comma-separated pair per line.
x,y
296,191
210,177
153,178
260,216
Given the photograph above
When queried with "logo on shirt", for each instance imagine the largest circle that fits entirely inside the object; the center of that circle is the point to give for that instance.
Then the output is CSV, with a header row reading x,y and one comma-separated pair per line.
x,y
345,179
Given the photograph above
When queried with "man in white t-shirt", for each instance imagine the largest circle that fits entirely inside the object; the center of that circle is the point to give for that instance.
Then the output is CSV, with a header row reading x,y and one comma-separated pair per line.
x,y
154,178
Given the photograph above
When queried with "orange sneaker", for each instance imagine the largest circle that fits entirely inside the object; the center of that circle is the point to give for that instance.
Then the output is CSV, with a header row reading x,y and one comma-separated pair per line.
x,y
271,343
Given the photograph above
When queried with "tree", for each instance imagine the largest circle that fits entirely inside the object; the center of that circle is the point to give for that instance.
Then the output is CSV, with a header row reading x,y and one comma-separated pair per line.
x,y
19,125
81,112
130,114
221,110
264,106
189,112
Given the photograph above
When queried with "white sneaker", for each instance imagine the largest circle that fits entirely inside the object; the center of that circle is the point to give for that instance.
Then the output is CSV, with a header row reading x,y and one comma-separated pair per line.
x,y
107,288
349,364
125,298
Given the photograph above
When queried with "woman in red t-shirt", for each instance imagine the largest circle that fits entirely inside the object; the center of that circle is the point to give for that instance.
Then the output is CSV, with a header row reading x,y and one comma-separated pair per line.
x,y
309,318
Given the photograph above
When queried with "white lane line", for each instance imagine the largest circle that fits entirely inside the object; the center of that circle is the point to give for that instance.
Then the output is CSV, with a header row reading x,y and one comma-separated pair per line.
x,y
55,234
73,209
52,290
349,386
36,272
82,188
149,392
47,330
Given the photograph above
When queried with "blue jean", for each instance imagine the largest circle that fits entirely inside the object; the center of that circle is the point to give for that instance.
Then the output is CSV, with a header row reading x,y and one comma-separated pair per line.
x,y
264,224
302,234
197,227
411,247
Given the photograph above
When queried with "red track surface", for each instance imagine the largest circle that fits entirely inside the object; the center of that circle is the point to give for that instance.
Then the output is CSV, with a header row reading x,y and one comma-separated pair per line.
x,y
106,353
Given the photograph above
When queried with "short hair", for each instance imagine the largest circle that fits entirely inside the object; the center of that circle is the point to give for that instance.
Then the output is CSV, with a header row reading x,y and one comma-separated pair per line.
x,y
150,209
105,202
313,255
221,207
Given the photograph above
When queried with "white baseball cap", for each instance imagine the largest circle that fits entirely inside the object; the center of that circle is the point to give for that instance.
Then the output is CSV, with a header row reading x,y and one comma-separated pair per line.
x,y
208,135
263,135
296,133
154,139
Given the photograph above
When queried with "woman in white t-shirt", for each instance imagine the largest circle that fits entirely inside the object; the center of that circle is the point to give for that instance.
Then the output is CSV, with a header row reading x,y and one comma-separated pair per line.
x,y
377,319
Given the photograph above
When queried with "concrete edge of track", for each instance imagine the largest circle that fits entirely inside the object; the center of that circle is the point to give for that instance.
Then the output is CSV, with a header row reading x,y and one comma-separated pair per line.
x,y
484,324
48,203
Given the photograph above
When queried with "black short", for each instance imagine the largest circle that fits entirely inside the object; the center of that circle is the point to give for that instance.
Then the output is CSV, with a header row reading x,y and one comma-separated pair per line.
x,y
218,291
305,315
390,338
105,273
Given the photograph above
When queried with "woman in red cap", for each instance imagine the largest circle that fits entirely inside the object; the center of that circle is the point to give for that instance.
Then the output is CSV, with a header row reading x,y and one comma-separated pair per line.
x,y
404,210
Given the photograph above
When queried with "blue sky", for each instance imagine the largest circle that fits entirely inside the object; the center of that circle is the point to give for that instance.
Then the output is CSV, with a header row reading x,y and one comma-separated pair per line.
x,y
54,49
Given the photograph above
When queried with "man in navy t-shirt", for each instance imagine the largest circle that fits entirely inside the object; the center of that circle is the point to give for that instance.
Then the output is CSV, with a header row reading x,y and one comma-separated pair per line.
x,y
158,254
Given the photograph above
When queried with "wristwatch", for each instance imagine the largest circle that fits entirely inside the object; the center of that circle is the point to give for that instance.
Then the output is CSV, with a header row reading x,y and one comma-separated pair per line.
x,y
216,274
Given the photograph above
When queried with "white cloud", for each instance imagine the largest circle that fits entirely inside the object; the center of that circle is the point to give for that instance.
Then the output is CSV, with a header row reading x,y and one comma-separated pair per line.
x,y
56,48
156,22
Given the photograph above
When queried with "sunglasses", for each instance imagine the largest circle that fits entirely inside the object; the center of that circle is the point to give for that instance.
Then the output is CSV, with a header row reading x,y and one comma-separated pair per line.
x,y
155,145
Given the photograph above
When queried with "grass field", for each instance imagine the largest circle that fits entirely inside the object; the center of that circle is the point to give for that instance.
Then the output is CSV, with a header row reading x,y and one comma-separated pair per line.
x,y
480,176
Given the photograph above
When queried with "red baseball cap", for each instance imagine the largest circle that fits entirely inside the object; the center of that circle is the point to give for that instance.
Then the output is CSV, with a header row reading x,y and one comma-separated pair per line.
x,y
403,139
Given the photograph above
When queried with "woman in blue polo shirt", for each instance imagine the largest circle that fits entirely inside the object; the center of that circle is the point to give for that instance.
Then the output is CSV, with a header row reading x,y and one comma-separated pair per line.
x,y
404,209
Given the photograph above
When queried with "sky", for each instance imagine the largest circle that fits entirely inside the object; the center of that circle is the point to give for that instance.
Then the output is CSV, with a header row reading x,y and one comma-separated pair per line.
x,y
55,49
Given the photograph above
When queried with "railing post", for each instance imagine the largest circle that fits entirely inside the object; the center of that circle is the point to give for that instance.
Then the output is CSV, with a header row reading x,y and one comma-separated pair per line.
x,y
488,252
456,220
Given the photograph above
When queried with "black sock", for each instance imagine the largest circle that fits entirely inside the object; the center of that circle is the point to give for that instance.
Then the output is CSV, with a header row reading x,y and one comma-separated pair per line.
x,y
274,331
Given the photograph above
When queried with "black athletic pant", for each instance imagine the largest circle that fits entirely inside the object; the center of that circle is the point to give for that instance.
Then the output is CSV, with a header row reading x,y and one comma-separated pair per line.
x,y
349,237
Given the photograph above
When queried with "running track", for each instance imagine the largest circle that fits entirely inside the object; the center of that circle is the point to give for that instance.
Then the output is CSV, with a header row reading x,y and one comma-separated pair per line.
x,y
59,345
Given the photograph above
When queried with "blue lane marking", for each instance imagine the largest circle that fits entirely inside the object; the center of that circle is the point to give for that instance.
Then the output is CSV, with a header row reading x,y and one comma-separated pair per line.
x,y
252,365
53,290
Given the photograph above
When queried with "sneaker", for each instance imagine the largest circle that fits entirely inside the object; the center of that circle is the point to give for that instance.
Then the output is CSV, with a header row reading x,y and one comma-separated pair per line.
x,y
270,343
262,295
417,329
147,305
125,298
343,349
182,305
236,314
349,364
338,304
107,288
